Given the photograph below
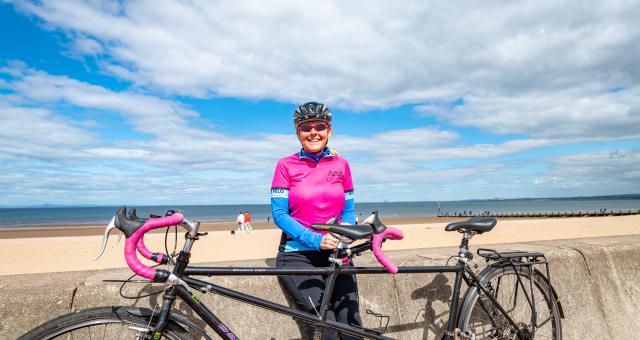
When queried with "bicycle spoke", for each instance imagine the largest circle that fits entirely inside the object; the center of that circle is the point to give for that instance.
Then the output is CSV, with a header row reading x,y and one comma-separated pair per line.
x,y
515,294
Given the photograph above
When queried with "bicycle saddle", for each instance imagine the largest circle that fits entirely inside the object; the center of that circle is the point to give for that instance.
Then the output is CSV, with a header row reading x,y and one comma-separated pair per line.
x,y
354,232
477,224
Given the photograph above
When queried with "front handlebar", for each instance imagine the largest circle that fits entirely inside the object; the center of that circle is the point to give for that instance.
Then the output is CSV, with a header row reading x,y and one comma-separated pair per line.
x,y
157,275
134,231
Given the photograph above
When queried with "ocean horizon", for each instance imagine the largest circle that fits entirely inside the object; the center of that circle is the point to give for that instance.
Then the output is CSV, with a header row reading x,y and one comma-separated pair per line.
x,y
79,215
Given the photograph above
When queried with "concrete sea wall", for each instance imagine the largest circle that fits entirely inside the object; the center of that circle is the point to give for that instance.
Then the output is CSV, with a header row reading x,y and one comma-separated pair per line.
x,y
597,280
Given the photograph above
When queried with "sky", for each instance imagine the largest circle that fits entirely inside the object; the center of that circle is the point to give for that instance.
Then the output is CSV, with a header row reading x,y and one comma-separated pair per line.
x,y
190,102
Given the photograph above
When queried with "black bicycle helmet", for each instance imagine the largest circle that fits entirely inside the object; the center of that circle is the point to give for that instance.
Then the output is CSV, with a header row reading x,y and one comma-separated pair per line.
x,y
311,111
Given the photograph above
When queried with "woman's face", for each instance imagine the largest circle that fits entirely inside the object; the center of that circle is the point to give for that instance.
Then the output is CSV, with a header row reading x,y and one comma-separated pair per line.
x,y
312,140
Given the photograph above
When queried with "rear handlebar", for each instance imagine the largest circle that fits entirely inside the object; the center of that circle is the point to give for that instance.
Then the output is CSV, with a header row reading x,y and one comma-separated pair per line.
x,y
376,245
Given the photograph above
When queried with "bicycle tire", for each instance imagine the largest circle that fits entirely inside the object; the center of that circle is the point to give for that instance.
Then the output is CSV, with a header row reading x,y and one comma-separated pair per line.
x,y
477,314
104,323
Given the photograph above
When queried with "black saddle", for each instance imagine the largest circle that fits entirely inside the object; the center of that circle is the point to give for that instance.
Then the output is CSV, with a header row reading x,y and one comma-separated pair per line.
x,y
354,232
478,225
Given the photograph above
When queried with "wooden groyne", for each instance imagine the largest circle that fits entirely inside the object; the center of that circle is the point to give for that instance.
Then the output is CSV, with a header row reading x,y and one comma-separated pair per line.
x,y
585,213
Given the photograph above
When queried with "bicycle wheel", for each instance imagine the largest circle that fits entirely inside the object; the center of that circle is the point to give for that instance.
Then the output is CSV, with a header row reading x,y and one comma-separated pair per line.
x,y
104,323
480,317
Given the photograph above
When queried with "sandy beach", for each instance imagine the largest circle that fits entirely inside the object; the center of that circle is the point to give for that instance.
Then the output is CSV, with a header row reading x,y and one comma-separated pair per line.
x,y
58,249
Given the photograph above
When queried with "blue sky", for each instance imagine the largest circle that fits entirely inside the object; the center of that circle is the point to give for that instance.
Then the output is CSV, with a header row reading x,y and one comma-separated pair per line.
x,y
172,102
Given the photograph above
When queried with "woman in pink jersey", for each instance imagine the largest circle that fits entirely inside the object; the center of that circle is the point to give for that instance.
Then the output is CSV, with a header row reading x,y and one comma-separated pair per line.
x,y
311,187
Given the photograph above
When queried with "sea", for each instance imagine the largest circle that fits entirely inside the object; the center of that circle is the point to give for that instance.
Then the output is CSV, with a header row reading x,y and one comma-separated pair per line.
x,y
79,215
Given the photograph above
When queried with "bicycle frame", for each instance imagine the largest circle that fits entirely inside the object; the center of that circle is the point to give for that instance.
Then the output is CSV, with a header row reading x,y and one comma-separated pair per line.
x,y
182,270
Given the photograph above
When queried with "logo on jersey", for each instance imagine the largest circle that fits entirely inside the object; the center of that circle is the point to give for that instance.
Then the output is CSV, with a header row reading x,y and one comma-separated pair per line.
x,y
334,175
279,193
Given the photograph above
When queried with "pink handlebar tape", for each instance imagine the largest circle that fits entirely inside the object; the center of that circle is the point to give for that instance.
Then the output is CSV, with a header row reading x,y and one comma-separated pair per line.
x,y
142,249
132,242
392,234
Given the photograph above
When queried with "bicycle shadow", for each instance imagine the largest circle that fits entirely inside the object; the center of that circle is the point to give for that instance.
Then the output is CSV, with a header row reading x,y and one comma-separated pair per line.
x,y
434,314
438,290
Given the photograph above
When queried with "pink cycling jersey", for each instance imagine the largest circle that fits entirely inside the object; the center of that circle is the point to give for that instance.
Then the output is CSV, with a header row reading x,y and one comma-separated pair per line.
x,y
315,190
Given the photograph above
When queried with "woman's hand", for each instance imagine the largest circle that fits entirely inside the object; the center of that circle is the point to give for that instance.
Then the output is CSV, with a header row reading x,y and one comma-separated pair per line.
x,y
328,242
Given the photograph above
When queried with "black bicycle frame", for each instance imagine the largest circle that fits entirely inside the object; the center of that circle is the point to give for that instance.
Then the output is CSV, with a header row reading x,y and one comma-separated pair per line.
x,y
183,271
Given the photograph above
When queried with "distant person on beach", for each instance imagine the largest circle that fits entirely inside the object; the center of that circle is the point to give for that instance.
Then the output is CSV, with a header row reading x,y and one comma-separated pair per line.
x,y
312,186
240,221
247,222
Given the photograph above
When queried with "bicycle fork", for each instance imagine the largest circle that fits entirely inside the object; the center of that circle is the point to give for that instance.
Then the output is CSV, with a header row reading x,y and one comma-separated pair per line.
x,y
168,298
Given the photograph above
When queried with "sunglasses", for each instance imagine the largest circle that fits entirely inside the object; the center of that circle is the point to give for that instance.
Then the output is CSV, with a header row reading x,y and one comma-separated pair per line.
x,y
306,127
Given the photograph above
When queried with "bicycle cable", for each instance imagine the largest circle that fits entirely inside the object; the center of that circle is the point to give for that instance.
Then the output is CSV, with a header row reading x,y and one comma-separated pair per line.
x,y
128,280
449,259
170,256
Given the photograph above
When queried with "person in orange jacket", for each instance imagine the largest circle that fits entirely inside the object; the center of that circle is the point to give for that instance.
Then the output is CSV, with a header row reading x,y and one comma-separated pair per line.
x,y
247,222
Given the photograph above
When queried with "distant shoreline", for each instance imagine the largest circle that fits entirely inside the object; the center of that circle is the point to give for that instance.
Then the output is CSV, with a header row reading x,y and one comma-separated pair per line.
x,y
93,229
569,198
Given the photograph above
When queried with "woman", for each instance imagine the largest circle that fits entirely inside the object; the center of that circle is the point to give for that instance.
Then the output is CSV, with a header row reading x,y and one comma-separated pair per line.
x,y
308,187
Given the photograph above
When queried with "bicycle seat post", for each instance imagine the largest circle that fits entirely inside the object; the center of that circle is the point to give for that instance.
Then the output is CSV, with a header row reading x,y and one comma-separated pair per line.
x,y
463,250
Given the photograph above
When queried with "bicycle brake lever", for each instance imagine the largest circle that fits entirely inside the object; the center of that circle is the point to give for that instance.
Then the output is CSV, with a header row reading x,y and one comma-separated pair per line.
x,y
105,237
118,240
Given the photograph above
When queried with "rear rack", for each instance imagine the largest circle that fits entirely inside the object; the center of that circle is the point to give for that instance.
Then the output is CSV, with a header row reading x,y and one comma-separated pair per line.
x,y
531,257
523,259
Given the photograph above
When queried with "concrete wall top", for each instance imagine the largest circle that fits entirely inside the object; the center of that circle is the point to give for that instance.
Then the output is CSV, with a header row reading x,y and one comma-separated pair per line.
x,y
596,280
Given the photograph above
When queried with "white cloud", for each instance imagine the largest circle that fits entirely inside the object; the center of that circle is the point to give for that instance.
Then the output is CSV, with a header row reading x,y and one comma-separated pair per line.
x,y
562,114
539,69
173,140
544,71
40,134
378,55
87,46
176,148
600,167
423,145
53,184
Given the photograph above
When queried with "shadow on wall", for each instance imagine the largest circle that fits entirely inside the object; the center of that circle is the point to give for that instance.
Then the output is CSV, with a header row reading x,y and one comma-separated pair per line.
x,y
437,290
437,296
